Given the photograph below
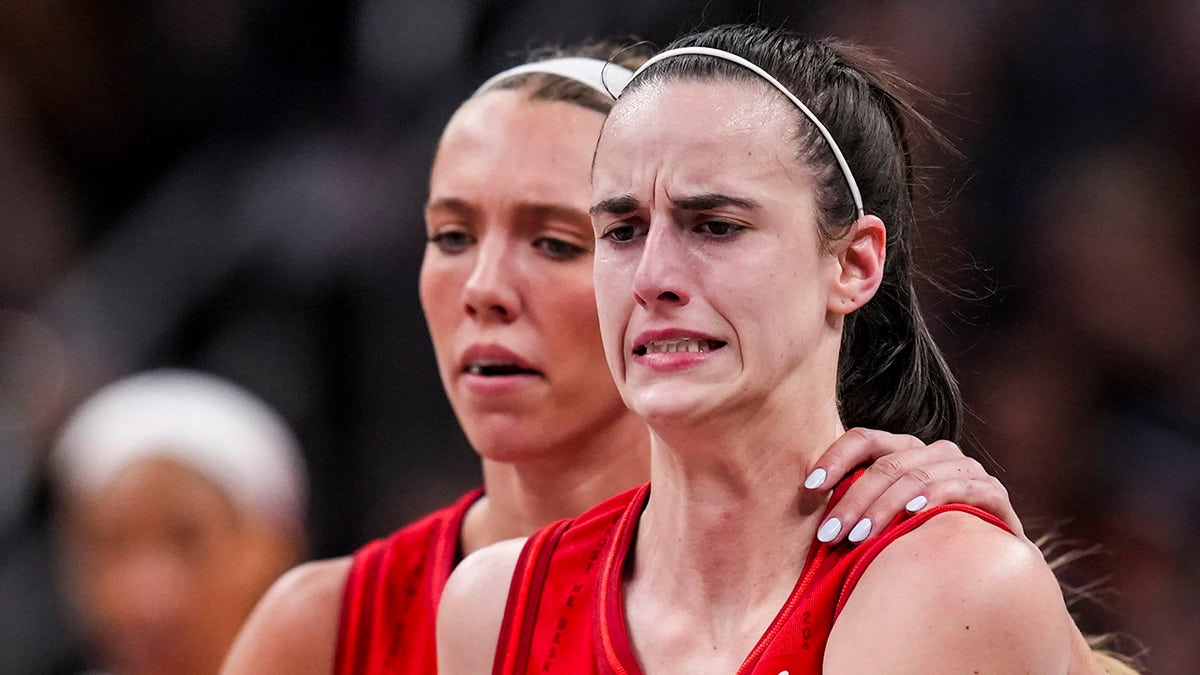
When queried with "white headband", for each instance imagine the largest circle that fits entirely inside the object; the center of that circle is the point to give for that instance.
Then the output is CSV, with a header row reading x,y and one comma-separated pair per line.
x,y
734,58
201,421
604,76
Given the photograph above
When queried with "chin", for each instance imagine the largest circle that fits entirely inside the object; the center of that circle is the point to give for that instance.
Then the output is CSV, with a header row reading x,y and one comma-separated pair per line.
x,y
672,405
510,440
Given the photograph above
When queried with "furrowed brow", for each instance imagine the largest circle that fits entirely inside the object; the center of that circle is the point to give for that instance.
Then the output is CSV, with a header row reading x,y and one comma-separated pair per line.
x,y
711,200
616,206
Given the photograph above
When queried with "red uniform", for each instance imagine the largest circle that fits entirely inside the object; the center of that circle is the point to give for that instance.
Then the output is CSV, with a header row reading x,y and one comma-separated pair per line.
x,y
565,614
390,600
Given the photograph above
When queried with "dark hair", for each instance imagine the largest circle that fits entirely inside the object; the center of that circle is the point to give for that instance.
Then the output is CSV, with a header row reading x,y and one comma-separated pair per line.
x,y
547,87
891,375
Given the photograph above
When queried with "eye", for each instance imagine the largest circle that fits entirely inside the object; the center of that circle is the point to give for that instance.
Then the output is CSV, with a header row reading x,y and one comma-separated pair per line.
x,y
623,232
451,242
718,229
557,249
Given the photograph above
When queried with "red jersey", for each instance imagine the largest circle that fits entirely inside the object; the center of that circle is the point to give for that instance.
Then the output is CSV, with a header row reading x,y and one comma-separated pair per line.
x,y
565,613
390,601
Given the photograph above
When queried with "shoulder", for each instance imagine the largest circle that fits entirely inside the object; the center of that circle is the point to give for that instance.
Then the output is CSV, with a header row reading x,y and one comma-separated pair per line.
x,y
959,592
486,569
294,627
472,608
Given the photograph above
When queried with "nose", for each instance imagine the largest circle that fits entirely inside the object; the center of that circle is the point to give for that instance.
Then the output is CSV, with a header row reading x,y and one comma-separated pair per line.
x,y
491,292
145,590
661,274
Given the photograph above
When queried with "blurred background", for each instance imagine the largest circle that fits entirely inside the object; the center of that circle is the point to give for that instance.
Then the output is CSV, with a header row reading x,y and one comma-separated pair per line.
x,y
236,186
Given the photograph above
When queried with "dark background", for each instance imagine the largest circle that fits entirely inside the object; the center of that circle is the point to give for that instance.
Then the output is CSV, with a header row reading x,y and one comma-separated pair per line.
x,y
237,186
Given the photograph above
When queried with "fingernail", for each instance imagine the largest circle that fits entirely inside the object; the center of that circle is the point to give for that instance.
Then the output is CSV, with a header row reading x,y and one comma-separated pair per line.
x,y
815,479
916,504
829,530
860,531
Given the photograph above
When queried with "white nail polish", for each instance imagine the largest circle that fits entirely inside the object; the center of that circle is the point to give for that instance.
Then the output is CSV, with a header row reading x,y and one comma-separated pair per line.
x,y
829,530
815,479
860,531
916,504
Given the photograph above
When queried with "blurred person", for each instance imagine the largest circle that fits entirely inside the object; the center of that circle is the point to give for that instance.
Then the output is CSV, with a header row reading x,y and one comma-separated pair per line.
x,y
753,306
181,497
506,286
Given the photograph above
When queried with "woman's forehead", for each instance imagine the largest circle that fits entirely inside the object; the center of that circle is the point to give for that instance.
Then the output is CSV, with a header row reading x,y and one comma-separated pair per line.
x,y
730,96
701,112
495,110
701,134
514,159
505,128
503,133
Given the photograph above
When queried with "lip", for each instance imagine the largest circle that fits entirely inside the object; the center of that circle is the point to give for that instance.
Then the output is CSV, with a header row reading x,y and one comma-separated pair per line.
x,y
494,356
674,360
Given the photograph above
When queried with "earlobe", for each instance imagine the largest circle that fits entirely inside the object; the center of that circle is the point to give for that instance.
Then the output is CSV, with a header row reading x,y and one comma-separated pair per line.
x,y
860,264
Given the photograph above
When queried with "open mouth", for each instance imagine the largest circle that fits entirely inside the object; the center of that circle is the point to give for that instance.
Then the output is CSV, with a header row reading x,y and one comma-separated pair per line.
x,y
677,345
493,369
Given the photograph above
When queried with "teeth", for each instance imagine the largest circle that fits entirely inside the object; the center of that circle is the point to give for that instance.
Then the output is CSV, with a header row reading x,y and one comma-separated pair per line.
x,y
681,345
481,367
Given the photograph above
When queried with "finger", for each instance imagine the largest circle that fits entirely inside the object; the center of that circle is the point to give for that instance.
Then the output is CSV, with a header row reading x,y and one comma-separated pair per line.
x,y
985,492
960,480
883,490
991,491
855,447
942,479
887,469
911,468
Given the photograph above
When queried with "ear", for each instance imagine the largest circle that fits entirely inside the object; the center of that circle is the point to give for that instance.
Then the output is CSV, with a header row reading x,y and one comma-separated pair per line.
x,y
859,267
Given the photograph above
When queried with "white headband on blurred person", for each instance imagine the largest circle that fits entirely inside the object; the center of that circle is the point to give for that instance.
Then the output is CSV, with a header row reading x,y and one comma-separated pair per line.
x,y
201,421
753,67
606,77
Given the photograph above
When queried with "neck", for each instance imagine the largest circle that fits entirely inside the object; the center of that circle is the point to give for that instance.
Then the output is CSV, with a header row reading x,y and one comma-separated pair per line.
x,y
524,496
722,540
738,482
728,525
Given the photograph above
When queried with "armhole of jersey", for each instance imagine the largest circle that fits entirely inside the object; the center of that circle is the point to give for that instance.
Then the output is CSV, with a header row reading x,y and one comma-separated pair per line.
x,y
357,613
910,523
445,546
524,594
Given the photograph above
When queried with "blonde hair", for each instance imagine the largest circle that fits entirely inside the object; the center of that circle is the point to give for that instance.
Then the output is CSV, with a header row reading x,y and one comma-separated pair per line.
x,y
1113,664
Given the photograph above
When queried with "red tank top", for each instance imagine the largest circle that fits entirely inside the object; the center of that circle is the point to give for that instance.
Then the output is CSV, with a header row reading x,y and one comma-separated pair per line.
x,y
565,612
391,595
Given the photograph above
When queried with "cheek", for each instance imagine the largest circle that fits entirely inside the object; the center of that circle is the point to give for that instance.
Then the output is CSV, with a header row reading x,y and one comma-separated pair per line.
x,y
614,292
440,288
571,327
571,309
92,583
765,298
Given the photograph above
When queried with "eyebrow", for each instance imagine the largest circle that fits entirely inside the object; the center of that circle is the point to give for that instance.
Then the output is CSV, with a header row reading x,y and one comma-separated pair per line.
x,y
702,202
615,205
450,204
712,200
542,211
534,210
